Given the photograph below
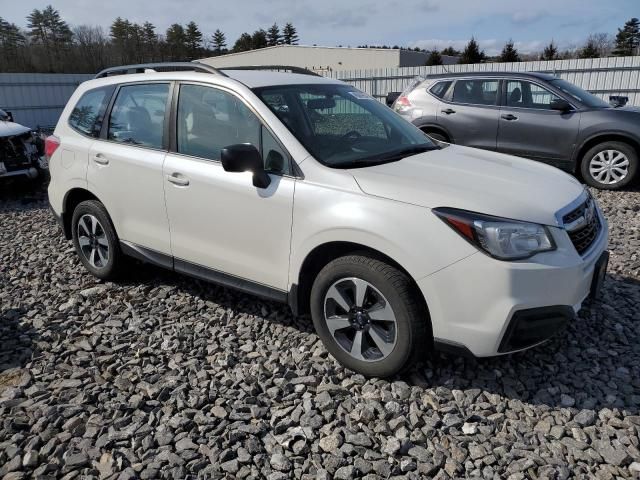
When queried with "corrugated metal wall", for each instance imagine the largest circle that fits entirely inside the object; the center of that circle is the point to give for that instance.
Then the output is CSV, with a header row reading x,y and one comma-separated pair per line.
x,y
601,76
37,99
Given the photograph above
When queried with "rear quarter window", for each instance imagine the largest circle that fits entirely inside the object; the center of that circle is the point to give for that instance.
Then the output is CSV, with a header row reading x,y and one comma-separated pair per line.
x,y
440,88
87,115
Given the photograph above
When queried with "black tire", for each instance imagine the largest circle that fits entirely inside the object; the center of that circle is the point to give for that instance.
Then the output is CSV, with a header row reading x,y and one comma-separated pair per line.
x,y
111,268
412,332
621,147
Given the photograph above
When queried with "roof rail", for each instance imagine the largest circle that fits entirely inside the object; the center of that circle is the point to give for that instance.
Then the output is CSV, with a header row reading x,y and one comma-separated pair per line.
x,y
275,68
159,67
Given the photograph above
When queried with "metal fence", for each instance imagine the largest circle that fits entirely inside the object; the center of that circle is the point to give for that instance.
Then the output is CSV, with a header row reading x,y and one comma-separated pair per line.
x,y
37,99
602,76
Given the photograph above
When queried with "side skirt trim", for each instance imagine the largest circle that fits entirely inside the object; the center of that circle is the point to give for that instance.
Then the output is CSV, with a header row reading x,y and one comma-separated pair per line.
x,y
203,273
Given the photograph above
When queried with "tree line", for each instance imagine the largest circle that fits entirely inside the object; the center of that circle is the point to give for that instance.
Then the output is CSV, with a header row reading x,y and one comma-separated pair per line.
x,y
49,44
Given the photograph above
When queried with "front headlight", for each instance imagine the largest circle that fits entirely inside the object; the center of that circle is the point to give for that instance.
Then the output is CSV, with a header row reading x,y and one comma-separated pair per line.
x,y
500,238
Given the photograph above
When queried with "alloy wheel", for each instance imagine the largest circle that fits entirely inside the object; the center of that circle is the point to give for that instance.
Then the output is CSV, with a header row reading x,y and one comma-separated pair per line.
x,y
360,319
609,167
93,241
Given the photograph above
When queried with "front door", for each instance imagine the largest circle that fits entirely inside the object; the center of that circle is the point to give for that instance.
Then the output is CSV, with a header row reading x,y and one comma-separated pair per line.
x,y
530,128
220,223
470,114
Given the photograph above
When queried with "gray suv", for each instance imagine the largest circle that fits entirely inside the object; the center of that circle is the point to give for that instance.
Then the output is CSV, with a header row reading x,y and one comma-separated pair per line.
x,y
531,115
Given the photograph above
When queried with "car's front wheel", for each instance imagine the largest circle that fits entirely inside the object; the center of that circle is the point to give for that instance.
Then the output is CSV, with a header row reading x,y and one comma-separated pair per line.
x,y
609,165
369,315
95,240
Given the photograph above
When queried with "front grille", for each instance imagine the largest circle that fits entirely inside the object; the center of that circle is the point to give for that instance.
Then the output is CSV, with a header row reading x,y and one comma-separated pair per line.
x,y
583,226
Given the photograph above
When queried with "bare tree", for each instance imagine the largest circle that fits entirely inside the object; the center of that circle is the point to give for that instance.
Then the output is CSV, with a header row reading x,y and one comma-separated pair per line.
x,y
91,46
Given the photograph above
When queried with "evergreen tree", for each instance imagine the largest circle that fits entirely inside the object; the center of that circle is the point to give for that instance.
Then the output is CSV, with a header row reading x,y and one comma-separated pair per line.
x,y
175,38
149,41
590,50
472,53
11,41
450,52
628,38
193,40
50,33
289,34
243,43
273,36
509,53
219,42
259,39
550,52
434,58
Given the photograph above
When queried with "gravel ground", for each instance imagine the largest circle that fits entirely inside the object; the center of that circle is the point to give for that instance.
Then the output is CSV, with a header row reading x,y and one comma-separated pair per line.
x,y
162,376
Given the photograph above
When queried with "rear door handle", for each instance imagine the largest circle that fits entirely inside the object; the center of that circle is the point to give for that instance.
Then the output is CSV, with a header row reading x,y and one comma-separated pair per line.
x,y
509,117
100,159
448,111
178,179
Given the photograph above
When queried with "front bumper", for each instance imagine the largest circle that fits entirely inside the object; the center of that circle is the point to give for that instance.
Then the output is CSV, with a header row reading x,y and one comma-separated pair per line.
x,y
475,302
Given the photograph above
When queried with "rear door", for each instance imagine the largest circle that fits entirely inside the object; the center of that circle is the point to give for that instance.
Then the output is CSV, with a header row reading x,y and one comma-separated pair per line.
x,y
469,112
530,128
125,165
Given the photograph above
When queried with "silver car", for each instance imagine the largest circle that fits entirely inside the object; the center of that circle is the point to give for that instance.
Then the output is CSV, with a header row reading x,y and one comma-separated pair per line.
x,y
531,115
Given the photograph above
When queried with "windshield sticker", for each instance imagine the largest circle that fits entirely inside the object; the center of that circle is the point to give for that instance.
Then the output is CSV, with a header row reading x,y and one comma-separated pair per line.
x,y
360,95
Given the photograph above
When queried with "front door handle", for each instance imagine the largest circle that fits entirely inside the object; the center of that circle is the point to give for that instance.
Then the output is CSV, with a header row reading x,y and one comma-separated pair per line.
x,y
448,111
178,179
509,117
100,159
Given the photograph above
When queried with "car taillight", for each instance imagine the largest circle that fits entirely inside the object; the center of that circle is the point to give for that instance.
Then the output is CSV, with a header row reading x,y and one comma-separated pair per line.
x,y
51,144
403,102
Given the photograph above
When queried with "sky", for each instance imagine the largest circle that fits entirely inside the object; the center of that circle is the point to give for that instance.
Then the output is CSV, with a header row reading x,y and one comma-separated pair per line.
x,y
422,23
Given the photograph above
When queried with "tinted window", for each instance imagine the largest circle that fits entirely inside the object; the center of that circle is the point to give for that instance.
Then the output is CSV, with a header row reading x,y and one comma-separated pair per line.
x,y
86,116
137,116
476,92
210,119
528,95
440,88
579,94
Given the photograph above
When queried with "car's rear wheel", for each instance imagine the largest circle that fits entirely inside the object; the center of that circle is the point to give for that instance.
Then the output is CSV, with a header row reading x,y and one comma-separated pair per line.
x,y
369,315
609,165
95,240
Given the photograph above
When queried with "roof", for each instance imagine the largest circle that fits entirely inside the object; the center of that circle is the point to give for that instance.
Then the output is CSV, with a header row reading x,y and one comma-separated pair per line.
x,y
537,75
260,78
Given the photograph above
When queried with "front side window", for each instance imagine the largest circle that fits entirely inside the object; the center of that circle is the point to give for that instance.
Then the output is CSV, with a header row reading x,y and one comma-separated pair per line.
x,y
476,92
209,120
137,116
86,116
343,127
588,99
529,95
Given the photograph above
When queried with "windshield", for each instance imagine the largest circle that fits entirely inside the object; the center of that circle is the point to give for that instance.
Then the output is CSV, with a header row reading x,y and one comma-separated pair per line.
x,y
579,94
343,127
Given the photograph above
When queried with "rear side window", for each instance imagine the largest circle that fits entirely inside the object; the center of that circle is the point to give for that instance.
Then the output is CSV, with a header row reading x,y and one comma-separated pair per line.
x,y
137,116
476,92
86,116
440,88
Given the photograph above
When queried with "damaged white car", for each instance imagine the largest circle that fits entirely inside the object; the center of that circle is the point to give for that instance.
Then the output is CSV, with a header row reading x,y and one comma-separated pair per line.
x,y
21,150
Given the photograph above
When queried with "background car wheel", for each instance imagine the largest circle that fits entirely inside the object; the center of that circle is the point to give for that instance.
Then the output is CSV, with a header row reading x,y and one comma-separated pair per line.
x,y
438,136
95,240
369,315
609,165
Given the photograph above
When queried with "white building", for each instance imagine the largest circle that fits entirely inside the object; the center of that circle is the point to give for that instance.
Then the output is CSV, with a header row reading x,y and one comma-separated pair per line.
x,y
322,59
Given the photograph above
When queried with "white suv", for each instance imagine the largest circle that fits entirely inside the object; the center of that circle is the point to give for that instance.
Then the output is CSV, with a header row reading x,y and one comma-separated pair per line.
x,y
305,190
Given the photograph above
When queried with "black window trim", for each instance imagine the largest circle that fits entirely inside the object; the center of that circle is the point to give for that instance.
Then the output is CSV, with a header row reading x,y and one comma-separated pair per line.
x,y
104,131
104,107
446,92
550,88
295,171
448,97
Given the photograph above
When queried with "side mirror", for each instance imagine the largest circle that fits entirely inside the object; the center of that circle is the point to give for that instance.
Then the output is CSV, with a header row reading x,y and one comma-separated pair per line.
x,y
560,104
617,101
244,157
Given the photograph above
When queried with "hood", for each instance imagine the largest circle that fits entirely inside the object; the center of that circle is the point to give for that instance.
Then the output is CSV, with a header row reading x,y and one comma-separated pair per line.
x,y
475,180
9,129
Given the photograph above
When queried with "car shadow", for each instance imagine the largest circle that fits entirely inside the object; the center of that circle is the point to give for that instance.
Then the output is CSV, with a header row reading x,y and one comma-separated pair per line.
x,y
20,194
17,346
572,369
